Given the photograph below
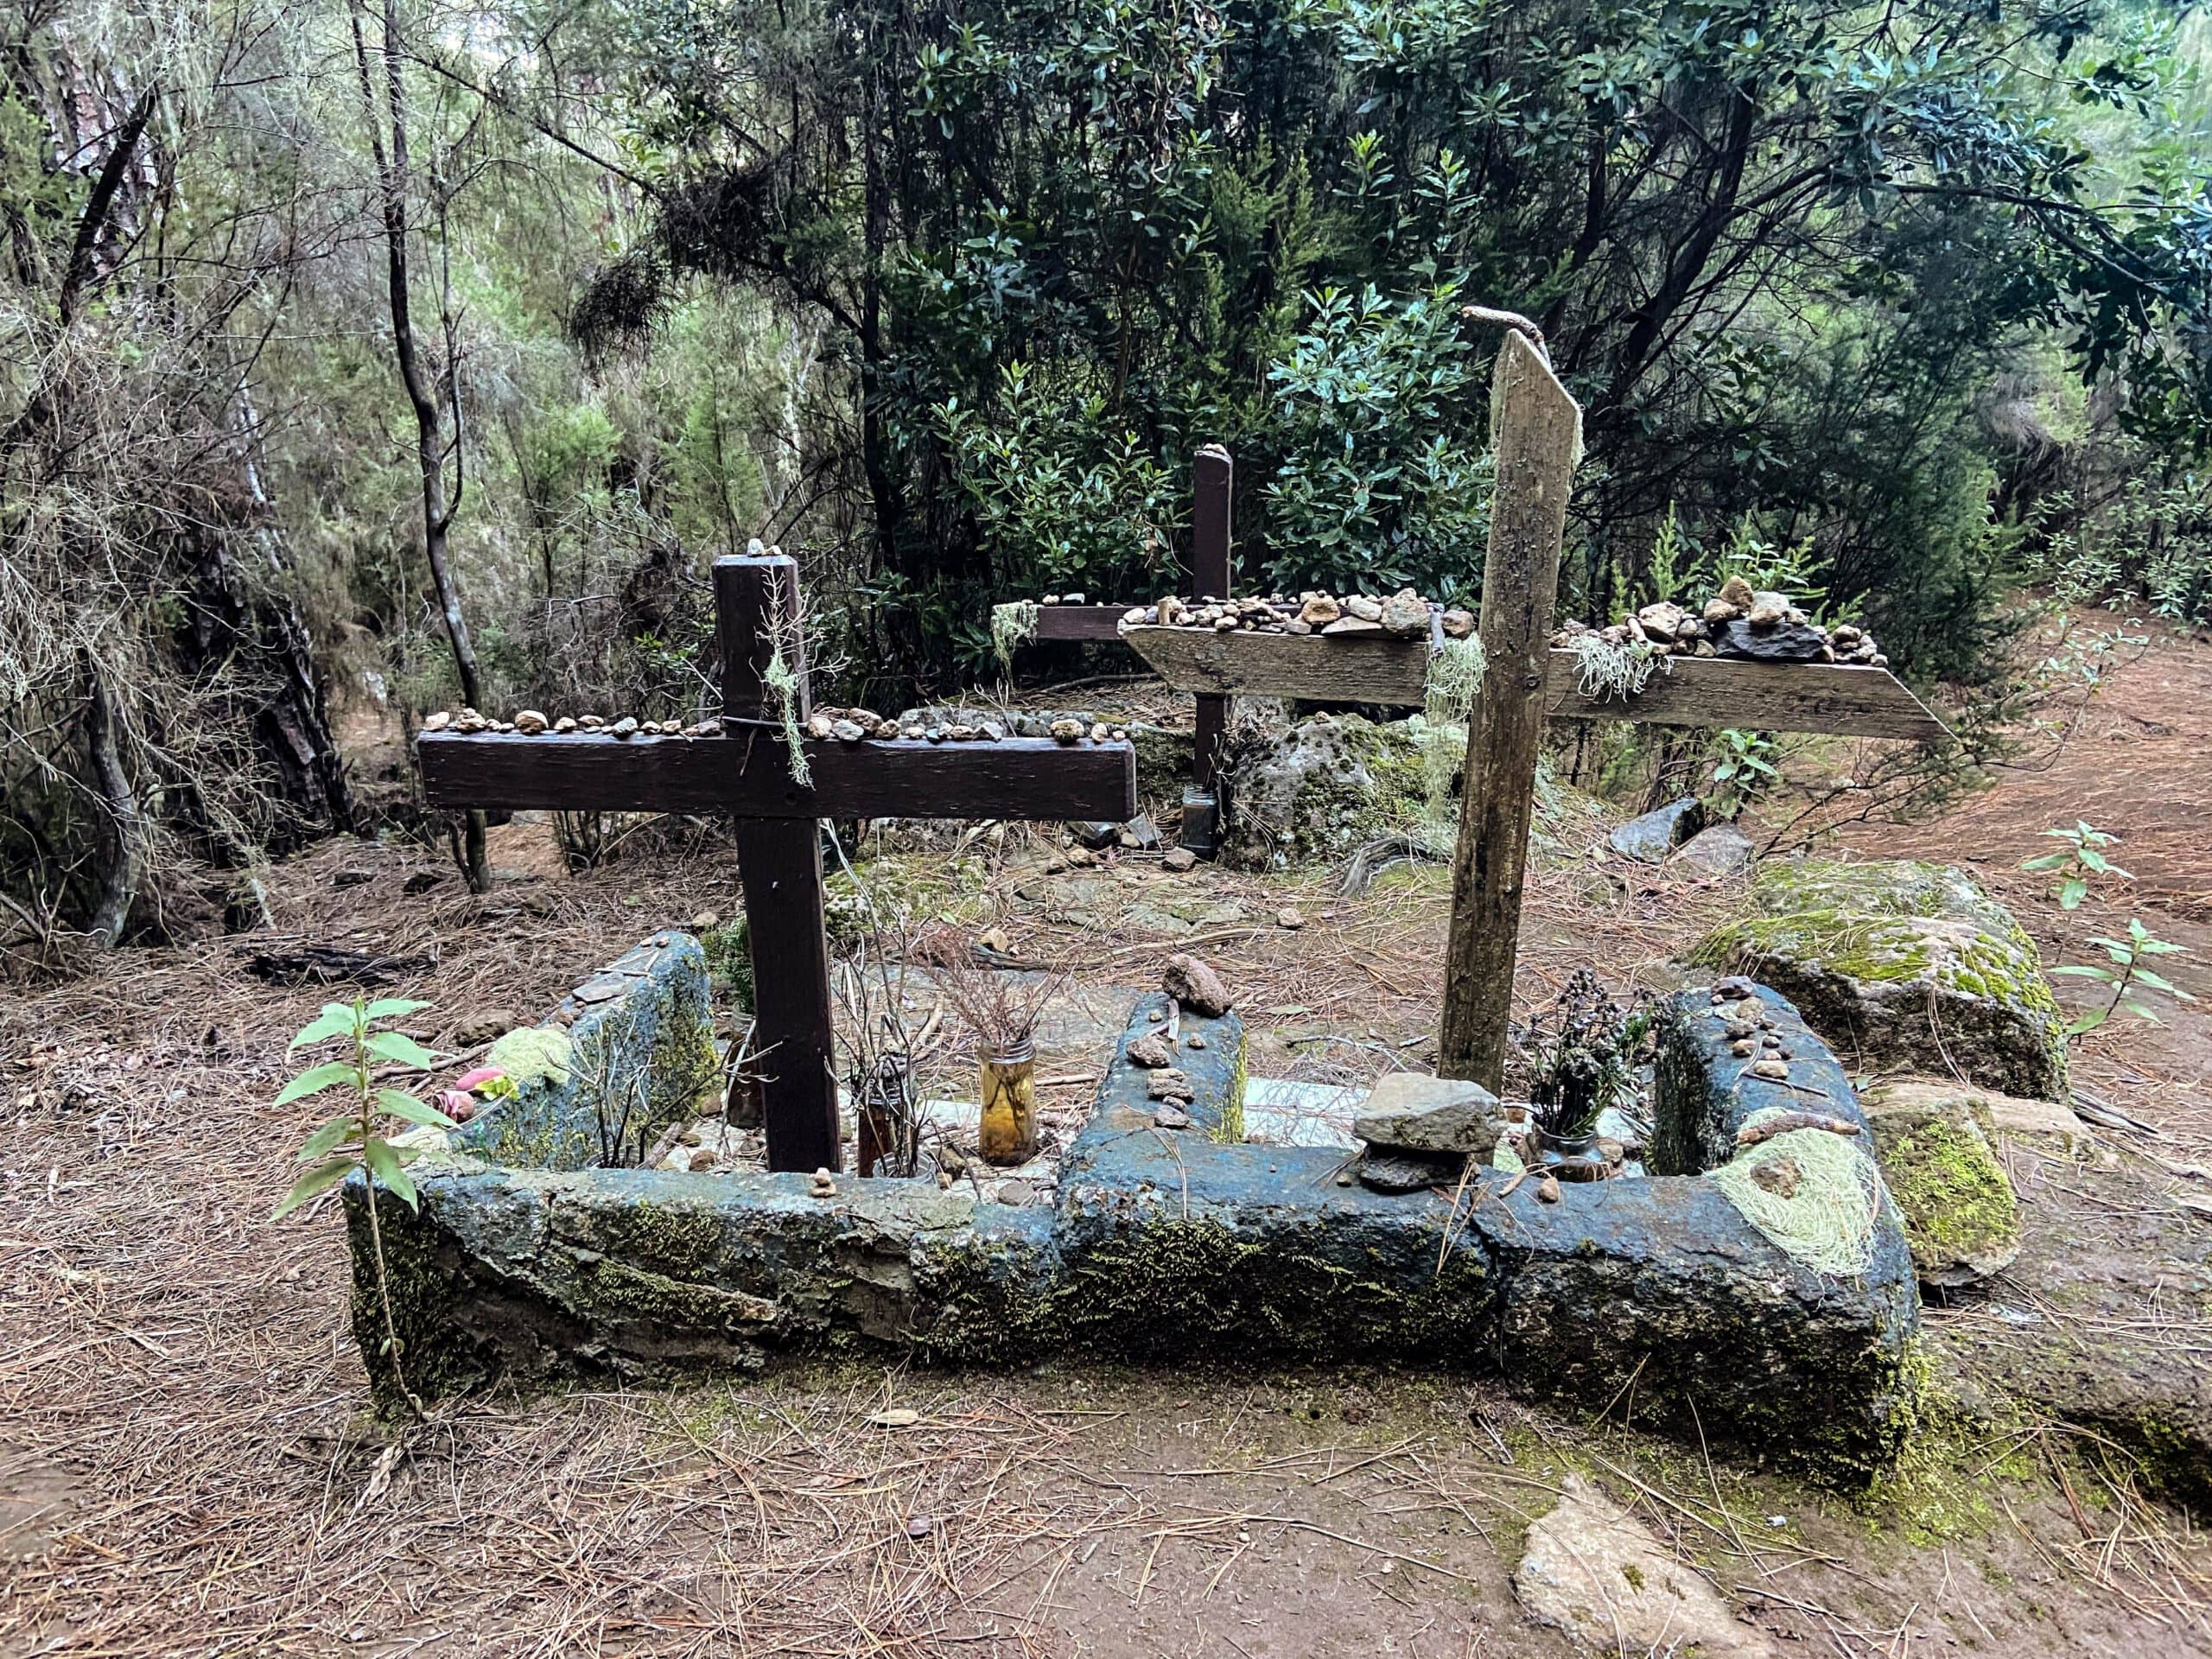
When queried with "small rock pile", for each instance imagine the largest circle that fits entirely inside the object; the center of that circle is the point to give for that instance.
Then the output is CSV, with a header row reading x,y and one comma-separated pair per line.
x,y
529,722
1418,1132
1738,622
1750,1029
824,725
1403,615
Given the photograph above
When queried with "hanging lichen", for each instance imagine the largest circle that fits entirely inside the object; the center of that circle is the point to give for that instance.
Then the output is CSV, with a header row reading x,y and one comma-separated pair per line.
x,y
1455,674
1611,671
1812,1193
1012,625
783,685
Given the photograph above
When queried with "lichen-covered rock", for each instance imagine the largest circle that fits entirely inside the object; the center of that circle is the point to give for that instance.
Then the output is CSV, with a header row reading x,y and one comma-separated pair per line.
x,y
1898,963
1313,790
1960,1218
1719,850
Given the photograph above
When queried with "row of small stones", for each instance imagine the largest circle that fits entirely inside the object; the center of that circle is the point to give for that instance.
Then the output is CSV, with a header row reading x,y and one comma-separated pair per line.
x,y
1404,613
846,725
1669,629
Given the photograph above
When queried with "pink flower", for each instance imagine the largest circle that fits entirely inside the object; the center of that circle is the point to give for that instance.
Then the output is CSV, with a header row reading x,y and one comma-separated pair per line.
x,y
480,1077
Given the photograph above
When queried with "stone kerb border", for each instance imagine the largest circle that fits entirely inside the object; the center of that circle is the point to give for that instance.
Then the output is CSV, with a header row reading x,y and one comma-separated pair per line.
x,y
1654,1296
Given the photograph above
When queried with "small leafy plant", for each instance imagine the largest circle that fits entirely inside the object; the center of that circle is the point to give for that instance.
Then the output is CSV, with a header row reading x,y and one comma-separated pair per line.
x,y
2124,974
1742,768
2081,859
355,1138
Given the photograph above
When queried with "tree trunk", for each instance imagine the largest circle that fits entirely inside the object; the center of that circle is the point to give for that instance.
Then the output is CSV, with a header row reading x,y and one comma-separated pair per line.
x,y
126,857
427,400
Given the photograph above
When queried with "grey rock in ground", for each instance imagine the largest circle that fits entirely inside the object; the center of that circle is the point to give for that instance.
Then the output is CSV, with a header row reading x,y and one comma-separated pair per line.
x,y
1178,859
1407,1112
1903,965
1651,836
1718,849
1315,790
1594,1571
1782,642
1195,986
1408,1172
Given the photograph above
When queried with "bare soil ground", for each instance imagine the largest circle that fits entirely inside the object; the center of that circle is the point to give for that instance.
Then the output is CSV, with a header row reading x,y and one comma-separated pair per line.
x,y
185,1468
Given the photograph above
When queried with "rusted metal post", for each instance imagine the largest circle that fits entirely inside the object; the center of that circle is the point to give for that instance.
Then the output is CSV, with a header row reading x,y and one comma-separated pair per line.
x,y
1536,431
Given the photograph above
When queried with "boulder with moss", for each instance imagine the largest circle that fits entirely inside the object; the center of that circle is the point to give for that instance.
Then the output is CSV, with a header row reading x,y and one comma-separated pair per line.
x,y
1313,790
1902,964
1938,1156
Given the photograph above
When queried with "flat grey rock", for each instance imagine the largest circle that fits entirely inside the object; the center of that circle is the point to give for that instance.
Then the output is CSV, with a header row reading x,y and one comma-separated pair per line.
x,y
1431,1115
1407,1172
1784,642
1723,849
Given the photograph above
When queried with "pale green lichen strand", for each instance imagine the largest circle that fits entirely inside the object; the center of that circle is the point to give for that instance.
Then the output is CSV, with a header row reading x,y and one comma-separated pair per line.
x,y
1825,1215
1013,625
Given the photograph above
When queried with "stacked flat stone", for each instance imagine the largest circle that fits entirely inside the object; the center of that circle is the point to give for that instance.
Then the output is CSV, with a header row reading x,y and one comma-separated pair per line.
x,y
1403,615
1419,1132
1741,622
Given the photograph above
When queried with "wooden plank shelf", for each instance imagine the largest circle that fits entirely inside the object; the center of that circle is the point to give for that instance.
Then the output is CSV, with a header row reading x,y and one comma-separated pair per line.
x,y
747,774
1845,699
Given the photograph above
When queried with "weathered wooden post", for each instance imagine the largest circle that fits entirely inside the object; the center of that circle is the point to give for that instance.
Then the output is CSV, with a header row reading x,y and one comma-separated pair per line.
x,y
1536,431
757,613
1213,473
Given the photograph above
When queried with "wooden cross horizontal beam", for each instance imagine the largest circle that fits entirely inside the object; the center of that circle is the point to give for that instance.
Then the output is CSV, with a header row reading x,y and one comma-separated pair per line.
x,y
749,775
1845,699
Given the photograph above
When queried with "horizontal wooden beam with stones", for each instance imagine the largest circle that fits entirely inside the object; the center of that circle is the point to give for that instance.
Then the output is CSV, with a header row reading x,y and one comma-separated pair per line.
x,y
1843,699
1014,777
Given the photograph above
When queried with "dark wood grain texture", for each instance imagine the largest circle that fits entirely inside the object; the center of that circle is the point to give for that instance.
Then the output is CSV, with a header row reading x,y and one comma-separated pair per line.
x,y
1087,622
779,861
745,772
1705,691
1538,433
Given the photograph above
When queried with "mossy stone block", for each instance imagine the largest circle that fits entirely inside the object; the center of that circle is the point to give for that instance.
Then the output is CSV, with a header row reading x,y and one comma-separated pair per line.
x,y
1901,963
1960,1218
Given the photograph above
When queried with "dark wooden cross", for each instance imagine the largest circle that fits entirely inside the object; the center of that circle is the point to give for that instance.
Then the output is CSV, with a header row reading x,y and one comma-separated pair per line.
x,y
746,771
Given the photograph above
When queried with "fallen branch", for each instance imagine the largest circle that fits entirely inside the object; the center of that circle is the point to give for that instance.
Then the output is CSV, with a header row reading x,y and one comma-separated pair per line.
x,y
1766,1128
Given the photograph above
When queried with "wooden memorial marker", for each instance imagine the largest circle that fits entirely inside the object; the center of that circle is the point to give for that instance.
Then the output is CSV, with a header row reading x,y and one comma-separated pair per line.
x,y
747,771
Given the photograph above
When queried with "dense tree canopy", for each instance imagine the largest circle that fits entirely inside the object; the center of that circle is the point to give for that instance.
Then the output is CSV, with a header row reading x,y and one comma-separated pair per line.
x,y
1908,302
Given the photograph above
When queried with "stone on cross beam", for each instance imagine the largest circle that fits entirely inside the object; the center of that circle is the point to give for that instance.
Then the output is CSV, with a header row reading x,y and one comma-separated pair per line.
x,y
747,771
1843,699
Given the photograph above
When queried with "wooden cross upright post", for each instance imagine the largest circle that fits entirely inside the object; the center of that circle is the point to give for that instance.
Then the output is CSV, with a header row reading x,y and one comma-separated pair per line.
x,y
747,771
1213,474
1536,430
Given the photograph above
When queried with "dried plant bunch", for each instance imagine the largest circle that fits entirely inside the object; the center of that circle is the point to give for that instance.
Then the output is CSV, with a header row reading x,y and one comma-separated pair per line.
x,y
1001,1007
1585,1048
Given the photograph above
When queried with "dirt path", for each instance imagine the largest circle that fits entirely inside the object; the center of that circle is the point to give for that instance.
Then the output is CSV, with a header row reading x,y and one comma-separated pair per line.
x,y
183,1468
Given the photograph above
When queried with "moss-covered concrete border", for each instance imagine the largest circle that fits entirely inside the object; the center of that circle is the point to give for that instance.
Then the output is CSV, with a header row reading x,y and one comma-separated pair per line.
x,y
1169,1244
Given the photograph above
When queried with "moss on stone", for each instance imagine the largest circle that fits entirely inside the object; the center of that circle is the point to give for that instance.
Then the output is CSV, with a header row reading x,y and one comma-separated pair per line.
x,y
1854,942
1958,1206
532,1054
